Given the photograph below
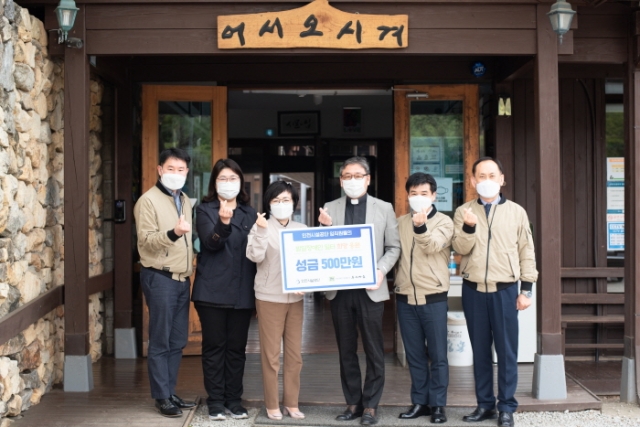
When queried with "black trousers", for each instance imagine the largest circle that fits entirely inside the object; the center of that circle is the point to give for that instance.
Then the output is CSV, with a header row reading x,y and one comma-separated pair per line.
x,y
224,342
352,310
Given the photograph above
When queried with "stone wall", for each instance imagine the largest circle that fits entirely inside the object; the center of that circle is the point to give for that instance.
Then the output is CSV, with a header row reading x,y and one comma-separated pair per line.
x,y
32,210
31,207
96,215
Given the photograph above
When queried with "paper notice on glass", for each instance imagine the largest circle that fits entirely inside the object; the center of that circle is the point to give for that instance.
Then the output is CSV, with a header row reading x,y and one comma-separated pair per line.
x,y
444,196
615,168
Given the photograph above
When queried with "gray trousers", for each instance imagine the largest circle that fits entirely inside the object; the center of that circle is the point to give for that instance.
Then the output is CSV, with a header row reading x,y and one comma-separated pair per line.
x,y
168,302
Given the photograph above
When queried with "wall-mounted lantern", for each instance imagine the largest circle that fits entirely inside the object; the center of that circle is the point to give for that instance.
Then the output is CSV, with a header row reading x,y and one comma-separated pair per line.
x,y
561,16
66,13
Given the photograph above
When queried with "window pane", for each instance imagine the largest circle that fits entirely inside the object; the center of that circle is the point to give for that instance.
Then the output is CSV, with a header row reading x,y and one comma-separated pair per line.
x,y
436,147
614,135
187,125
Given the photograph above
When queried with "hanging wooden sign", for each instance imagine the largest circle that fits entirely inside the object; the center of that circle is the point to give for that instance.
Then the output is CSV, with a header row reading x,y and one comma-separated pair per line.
x,y
316,25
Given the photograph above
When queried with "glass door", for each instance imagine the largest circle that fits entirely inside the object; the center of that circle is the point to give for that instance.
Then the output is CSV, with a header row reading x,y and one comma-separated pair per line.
x,y
436,132
193,118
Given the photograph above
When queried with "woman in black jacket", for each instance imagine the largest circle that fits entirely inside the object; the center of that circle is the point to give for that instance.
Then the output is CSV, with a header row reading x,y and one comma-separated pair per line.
x,y
223,289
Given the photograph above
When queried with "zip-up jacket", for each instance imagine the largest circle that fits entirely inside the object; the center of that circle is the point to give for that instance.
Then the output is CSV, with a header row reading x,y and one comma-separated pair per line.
x,y
498,251
422,274
159,246
264,249
224,275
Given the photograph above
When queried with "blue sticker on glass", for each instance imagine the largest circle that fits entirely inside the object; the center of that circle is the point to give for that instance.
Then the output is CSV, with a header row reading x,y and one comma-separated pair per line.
x,y
478,69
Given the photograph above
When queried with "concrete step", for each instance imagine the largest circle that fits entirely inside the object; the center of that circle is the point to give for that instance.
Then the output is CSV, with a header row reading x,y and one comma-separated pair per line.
x,y
387,417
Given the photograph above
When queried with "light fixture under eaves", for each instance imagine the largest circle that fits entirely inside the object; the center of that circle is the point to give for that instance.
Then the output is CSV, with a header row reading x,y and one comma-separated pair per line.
x,y
504,106
418,95
320,92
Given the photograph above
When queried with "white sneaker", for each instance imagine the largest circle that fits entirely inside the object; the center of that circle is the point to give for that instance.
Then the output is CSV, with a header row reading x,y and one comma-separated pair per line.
x,y
237,412
218,416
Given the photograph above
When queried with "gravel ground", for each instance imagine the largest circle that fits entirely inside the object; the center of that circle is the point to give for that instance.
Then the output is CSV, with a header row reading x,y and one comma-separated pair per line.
x,y
614,413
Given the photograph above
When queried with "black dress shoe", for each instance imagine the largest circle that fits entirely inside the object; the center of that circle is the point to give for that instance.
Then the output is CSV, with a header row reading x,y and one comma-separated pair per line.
x,y
167,408
417,410
184,404
351,413
369,417
480,414
505,419
437,415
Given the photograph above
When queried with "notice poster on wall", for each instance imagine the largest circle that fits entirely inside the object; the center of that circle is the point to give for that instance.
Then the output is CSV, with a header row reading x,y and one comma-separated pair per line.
x,y
615,203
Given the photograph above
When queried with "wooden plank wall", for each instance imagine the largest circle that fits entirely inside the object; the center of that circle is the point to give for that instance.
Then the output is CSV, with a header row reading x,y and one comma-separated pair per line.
x,y
582,142
602,34
584,223
191,28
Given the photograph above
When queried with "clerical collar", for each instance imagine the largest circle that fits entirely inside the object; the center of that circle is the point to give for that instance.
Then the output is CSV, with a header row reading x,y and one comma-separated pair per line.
x,y
361,199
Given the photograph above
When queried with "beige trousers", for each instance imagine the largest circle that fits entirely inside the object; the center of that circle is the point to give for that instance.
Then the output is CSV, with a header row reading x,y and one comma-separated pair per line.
x,y
278,322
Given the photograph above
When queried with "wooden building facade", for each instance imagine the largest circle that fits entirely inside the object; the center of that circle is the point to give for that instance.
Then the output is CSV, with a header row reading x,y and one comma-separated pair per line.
x,y
552,144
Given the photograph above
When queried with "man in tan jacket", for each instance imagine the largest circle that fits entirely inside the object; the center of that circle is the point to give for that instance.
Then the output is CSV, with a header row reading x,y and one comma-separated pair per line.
x,y
422,285
163,224
493,236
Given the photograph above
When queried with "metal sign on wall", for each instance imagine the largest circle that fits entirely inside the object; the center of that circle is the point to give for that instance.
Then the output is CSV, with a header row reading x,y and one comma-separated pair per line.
x,y
316,25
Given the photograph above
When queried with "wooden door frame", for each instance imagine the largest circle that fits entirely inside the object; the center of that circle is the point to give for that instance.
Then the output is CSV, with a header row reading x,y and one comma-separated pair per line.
x,y
151,96
468,94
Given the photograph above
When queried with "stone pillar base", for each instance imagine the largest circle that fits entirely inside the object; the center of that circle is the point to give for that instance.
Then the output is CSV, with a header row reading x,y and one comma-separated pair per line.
x,y
549,381
126,343
78,373
628,381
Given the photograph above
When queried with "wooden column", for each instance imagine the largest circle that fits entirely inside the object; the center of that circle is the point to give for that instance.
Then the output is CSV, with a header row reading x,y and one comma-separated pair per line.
x,y
548,226
76,195
123,267
632,219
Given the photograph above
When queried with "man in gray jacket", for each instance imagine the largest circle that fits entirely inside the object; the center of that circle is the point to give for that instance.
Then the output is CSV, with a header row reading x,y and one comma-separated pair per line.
x,y
362,308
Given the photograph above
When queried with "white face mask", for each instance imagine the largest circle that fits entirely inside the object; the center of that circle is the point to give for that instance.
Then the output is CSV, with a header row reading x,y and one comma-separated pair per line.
x,y
418,203
173,181
228,190
488,189
281,210
354,188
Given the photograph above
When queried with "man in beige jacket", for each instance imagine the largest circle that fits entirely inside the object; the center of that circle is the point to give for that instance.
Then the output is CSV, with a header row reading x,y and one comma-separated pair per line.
x,y
422,286
163,224
493,236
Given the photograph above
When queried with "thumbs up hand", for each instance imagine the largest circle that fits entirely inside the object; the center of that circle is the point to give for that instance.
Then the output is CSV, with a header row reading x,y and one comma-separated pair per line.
x,y
182,227
225,213
260,221
324,218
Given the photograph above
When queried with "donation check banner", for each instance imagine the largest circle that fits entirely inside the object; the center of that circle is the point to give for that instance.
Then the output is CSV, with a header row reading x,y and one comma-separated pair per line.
x,y
328,258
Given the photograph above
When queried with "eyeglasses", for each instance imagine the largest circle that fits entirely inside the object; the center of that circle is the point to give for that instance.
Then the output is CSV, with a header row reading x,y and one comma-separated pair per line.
x,y
234,178
348,176
276,201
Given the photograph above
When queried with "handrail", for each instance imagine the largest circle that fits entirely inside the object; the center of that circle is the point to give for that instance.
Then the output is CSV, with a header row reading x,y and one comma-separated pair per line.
x,y
591,272
28,314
